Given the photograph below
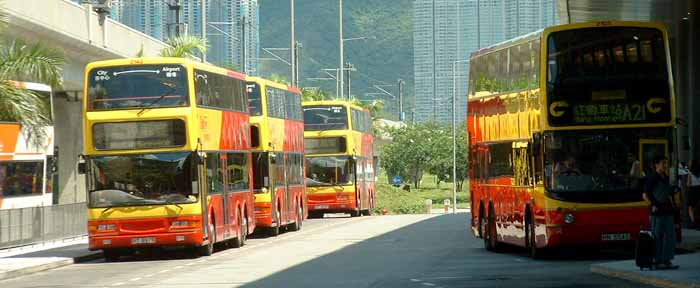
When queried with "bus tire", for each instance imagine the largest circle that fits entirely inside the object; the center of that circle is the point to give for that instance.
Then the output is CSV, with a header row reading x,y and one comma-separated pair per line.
x,y
111,255
491,239
274,231
480,228
355,213
296,226
208,249
531,235
243,227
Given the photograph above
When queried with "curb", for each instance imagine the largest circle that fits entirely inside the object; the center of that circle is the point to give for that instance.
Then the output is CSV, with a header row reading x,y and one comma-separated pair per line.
x,y
48,266
639,278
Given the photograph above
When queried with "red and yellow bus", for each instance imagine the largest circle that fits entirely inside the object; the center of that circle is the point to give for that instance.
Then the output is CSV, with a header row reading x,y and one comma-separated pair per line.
x,y
340,170
167,154
563,124
27,168
277,131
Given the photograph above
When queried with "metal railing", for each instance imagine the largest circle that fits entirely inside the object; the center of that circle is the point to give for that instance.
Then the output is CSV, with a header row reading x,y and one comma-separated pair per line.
x,y
32,225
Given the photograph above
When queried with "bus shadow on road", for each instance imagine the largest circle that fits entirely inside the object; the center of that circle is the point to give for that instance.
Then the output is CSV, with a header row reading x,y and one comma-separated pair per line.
x,y
417,246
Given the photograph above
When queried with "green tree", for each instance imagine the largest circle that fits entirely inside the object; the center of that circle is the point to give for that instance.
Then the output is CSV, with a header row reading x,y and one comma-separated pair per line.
x,y
442,162
411,151
314,94
23,62
279,79
183,46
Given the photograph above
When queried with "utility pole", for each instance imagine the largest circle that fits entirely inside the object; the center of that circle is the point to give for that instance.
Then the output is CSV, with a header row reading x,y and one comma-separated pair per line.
x,y
348,68
401,85
175,7
340,39
245,46
297,62
204,28
293,45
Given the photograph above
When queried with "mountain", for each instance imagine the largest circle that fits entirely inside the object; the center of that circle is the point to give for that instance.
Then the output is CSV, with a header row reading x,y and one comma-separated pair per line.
x,y
380,60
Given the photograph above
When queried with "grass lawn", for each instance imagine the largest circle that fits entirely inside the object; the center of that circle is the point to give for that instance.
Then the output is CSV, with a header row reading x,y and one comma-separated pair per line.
x,y
398,201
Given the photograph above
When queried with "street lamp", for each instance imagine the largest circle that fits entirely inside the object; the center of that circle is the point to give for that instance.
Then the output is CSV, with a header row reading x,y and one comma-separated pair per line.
x,y
454,133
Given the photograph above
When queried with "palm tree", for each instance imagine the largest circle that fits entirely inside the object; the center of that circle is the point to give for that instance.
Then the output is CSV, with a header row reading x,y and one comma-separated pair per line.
x,y
182,46
23,62
314,94
279,79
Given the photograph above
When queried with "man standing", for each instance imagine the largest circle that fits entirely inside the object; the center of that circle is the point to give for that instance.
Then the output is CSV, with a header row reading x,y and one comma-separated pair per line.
x,y
659,193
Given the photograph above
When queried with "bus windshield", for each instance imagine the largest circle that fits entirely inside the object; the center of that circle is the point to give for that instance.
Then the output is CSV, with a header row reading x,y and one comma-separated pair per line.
x,y
329,171
320,118
141,86
142,179
607,75
596,166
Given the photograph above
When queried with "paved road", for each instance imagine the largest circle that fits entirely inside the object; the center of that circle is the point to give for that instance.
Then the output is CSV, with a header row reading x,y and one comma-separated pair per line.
x,y
387,251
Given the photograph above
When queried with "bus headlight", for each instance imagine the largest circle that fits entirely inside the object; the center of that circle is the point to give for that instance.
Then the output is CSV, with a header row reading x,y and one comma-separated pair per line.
x,y
569,218
103,227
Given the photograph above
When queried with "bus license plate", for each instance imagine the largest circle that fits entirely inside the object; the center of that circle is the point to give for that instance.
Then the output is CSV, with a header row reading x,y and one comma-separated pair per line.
x,y
143,240
615,237
321,207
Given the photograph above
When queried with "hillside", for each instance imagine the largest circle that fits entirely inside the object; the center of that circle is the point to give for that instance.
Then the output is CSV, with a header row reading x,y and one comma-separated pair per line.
x,y
382,60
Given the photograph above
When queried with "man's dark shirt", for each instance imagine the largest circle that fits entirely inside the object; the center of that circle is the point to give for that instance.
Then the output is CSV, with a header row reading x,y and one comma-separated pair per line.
x,y
663,206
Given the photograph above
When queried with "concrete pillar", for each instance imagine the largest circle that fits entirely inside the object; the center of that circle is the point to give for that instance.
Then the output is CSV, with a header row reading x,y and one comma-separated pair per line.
x,y
68,127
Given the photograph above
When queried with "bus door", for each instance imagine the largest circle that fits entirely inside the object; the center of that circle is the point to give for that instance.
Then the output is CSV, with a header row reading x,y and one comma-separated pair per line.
x,y
223,173
202,185
276,183
359,182
287,190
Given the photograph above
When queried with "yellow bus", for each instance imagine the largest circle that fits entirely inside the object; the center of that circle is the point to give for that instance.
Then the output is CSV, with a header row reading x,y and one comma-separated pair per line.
x,y
563,124
167,155
277,131
338,141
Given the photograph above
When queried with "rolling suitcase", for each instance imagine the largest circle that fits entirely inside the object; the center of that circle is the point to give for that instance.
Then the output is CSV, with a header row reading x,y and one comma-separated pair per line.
x,y
645,250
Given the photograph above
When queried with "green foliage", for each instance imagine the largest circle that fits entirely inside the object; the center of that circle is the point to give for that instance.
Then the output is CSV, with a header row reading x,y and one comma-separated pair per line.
x,y
183,46
279,79
398,201
22,62
314,95
382,59
424,147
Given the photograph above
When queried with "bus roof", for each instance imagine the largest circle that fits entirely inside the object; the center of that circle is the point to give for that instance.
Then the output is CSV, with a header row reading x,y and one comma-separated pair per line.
x,y
164,60
333,102
564,27
31,86
268,82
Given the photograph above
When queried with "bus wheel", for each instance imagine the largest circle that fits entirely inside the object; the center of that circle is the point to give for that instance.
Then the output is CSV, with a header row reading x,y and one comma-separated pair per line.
x,y
274,231
534,252
355,213
111,255
243,226
208,249
491,239
296,226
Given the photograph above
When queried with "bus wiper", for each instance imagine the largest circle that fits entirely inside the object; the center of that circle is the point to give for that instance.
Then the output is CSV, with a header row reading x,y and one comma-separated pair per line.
x,y
106,209
161,97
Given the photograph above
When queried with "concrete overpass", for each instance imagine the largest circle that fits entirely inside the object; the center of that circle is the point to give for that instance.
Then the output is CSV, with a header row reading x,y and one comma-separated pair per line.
x,y
79,32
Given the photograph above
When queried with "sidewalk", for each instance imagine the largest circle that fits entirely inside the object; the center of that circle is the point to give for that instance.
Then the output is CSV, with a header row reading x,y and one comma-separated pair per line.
x,y
21,261
687,276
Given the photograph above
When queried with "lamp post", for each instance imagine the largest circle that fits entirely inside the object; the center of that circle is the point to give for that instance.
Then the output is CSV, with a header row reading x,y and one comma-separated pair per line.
x,y
454,133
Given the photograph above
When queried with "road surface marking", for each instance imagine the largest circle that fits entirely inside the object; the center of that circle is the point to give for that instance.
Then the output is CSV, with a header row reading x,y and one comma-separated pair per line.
x,y
117,284
164,271
136,279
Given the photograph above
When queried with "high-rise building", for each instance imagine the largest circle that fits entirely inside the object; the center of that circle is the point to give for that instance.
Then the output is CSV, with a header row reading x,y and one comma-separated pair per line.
x,y
446,31
232,26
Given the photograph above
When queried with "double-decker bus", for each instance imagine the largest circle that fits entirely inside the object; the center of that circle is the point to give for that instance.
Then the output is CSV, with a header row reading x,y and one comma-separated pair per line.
x,y
167,154
340,175
277,132
27,167
563,124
